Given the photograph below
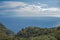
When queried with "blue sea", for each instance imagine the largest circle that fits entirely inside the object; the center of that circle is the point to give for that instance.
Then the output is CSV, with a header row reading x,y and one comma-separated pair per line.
x,y
17,23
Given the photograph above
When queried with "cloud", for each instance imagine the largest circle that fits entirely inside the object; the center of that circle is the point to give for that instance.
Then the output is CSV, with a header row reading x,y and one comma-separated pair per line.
x,y
11,4
21,9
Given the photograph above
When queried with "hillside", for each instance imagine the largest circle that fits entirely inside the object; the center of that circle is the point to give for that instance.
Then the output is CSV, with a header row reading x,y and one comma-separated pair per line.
x,y
5,33
30,33
37,33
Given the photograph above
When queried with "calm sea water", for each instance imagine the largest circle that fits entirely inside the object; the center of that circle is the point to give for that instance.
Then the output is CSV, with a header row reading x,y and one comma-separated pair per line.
x,y
17,23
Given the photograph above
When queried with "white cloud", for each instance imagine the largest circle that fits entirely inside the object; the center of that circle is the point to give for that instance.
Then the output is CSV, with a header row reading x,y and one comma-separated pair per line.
x,y
25,9
11,4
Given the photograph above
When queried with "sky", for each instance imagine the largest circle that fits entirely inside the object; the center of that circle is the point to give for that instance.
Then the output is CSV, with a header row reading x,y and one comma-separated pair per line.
x,y
23,13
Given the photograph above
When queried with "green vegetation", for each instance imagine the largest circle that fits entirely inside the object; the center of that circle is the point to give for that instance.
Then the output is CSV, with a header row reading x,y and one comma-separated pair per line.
x,y
5,33
30,33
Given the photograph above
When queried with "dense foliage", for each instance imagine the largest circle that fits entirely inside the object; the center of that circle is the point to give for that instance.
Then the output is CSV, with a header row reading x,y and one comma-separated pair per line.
x,y
5,33
30,33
